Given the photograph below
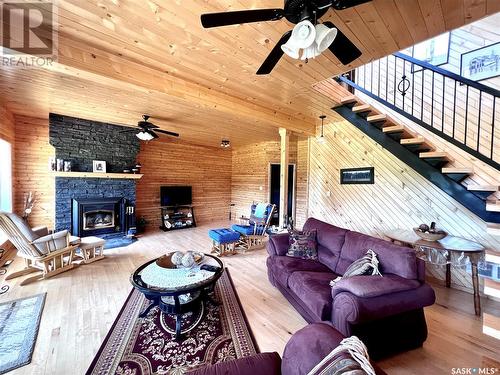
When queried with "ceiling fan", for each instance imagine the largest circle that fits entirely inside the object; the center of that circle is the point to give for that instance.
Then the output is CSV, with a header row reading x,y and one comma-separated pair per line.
x,y
147,130
309,35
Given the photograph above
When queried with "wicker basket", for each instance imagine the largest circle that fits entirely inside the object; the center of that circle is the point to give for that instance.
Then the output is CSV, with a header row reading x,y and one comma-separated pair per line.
x,y
430,236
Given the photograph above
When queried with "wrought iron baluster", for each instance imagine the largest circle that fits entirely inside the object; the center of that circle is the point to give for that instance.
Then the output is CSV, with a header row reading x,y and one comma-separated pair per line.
x,y
395,72
454,108
479,120
466,113
432,100
442,108
493,127
412,67
422,98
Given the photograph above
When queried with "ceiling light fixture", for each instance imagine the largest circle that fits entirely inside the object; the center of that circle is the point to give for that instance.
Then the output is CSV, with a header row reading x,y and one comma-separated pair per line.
x,y
313,40
225,143
144,136
321,138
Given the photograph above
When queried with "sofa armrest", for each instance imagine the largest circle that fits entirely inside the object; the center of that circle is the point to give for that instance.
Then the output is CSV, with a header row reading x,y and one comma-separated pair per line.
x,y
262,363
308,346
373,286
347,308
278,244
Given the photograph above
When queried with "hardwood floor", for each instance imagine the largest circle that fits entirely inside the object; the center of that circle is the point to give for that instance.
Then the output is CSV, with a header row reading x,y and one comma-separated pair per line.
x,y
82,304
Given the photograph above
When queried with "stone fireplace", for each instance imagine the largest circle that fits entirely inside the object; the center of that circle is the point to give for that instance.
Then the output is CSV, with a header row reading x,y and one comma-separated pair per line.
x,y
91,206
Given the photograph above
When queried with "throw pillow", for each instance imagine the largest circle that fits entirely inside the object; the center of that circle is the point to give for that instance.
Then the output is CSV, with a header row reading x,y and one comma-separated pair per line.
x,y
366,265
302,244
350,357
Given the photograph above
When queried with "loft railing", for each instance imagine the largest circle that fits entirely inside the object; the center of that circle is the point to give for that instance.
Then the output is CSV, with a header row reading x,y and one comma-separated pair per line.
x,y
461,111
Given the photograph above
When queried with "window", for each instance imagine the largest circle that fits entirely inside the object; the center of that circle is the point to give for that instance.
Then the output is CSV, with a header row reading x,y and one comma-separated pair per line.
x,y
5,180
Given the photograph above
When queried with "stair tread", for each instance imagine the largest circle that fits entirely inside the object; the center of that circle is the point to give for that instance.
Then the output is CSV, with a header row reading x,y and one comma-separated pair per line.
x,y
457,170
482,187
348,99
361,108
374,118
393,129
434,154
493,207
413,141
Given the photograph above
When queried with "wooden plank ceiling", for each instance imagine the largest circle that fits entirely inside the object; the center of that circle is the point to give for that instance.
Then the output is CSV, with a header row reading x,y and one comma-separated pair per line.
x,y
118,59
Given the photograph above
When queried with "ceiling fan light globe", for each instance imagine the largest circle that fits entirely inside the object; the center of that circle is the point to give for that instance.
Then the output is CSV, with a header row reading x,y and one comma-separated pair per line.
x,y
303,34
144,136
324,37
290,49
321,139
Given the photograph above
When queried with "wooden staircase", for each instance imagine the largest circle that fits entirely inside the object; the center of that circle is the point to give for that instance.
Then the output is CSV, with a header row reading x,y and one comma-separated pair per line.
x,y
425,151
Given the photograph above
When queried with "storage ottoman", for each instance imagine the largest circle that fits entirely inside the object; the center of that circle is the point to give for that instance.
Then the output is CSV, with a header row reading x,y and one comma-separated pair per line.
x,y
224,241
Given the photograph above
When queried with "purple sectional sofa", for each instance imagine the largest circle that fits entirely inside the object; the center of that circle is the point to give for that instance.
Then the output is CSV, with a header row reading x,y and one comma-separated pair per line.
x,y
307,347
385,312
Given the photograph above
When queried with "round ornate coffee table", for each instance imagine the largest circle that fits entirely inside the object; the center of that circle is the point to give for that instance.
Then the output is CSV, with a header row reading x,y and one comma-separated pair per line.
x,y
177,290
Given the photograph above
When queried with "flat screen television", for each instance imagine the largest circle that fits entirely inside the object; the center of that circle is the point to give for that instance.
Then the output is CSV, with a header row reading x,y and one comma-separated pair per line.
x,y
175,195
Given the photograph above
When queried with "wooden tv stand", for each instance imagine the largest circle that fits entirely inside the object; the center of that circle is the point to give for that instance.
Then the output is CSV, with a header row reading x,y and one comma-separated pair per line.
x,y
177,217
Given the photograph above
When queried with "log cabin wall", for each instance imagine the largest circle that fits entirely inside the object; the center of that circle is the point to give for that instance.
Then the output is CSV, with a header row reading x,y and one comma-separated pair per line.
x,y
400,197
32,151
170,162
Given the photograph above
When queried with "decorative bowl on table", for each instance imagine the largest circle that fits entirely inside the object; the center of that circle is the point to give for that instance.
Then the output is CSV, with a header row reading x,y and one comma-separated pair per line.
x,y
430,236
179,259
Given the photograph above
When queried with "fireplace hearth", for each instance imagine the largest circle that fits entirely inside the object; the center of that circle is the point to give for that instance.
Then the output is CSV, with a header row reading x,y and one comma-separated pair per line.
x,y
102,216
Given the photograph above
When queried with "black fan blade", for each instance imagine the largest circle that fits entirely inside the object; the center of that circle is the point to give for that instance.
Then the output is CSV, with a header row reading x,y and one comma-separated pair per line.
x,y
166,132
344,4
275,55
129,130
241,16
345,50
152,133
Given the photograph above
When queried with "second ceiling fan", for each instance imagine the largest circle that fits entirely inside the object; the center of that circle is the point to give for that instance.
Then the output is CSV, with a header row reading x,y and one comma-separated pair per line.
x,y
309,35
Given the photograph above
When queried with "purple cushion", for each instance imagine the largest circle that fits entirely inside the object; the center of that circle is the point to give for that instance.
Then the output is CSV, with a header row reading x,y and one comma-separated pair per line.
x,y
314,291
330,240
308,347
282,267
371,286
262,363
393,259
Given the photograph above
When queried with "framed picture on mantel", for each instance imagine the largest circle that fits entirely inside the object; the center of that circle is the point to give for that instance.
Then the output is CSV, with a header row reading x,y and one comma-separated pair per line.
x,y
364,175
99,166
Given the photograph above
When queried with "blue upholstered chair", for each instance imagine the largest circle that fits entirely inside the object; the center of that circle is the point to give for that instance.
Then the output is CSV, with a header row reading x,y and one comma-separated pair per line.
x,y
253,234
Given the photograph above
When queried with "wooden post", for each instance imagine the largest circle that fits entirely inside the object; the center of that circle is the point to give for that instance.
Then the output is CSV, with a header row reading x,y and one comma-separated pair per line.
x,y
285,137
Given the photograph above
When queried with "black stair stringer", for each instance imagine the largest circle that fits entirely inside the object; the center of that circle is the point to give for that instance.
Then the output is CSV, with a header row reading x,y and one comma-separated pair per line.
x,y
455,190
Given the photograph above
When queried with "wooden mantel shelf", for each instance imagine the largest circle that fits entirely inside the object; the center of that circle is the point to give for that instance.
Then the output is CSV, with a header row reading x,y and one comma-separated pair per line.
x,y
130,176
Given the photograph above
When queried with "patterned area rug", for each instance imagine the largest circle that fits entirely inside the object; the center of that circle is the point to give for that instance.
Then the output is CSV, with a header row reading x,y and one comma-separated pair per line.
x,y
19,322
141,346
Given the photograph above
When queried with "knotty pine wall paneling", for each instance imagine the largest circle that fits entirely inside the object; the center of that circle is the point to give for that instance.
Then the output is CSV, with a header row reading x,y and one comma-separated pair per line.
x,y
250,175
6,125
32,151
400,197
169,162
